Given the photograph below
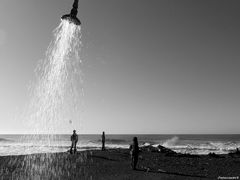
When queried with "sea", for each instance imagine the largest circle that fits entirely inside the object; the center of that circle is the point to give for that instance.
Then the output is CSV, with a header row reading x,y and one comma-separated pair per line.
x,y
188,143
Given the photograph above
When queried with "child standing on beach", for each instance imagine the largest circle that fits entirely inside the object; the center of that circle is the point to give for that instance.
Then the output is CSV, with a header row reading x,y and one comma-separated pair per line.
x,y
134,151
74,139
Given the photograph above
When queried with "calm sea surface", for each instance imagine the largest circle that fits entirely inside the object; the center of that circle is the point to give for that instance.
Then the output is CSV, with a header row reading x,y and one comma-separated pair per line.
x,y
194,144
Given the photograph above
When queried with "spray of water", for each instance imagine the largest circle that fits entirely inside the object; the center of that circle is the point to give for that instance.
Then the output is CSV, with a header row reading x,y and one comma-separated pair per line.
x,y
55,96
171,142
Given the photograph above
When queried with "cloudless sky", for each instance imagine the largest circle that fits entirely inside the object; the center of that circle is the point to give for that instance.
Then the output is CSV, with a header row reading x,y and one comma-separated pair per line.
x,y
150,66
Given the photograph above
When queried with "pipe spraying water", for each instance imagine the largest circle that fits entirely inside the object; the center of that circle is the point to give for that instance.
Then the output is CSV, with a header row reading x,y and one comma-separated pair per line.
x,y
72,17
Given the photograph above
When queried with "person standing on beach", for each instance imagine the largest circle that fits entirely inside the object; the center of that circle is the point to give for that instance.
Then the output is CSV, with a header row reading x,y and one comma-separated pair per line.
x,y
134,151
103,141
74,139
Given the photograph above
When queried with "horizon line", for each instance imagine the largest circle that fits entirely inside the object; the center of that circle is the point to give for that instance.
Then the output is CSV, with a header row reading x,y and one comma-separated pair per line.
x,y
124,134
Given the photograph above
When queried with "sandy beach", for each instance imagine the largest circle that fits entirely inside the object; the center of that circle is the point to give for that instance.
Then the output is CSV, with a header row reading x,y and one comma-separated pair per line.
x,y
115,164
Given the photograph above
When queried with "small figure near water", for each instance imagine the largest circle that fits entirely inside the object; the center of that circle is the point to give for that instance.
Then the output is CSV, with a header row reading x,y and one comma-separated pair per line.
x,y
103,141
74,139
237,151
134,151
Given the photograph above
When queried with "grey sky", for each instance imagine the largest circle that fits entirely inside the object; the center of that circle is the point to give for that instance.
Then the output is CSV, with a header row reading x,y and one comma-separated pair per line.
x,y
151,66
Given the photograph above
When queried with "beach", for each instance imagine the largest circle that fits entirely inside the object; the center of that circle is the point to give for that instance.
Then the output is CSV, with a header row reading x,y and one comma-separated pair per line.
x,y
115,164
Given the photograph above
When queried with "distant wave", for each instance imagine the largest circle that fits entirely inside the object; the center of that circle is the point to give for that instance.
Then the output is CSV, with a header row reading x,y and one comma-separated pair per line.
x,y
2,139
114,141
21,149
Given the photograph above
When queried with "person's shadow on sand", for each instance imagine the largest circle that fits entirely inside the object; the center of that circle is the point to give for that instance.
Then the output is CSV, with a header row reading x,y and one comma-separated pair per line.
x,y
106,158
165,172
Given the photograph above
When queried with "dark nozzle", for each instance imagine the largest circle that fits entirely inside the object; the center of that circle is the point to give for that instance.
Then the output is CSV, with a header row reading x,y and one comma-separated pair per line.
x,y
72,17
74,12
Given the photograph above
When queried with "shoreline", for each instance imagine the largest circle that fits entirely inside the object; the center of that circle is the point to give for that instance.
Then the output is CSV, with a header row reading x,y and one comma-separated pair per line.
x,y
115,164
193,144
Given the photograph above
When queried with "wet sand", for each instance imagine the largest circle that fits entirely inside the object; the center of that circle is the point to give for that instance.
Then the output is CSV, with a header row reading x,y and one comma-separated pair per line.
x,y
115,164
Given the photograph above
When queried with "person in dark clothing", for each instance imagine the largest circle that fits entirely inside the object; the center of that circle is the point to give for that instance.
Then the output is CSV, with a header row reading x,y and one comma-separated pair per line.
x,y
74,139
103,141
134,152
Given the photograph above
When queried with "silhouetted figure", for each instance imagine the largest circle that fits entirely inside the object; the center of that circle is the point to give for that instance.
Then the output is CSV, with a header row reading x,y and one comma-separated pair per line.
x,y
134,151
103,141
74,139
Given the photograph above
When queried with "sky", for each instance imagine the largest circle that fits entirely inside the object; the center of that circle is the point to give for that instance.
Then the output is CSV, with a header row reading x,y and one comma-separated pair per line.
x,y
150,66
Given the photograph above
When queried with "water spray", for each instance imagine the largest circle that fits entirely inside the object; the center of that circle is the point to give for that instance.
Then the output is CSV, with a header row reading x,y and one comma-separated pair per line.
x,y
55,97
72,17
